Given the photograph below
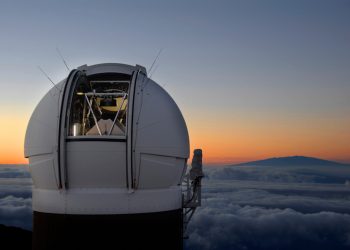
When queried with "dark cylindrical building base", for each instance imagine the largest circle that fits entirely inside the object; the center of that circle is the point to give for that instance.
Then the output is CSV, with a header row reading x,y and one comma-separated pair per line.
x,y
161,230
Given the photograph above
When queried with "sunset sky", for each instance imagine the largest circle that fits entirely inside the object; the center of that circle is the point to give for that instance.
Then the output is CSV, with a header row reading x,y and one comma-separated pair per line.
x,y
254,79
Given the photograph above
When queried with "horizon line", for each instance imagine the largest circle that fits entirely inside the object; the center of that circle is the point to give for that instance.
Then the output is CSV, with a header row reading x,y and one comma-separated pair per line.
x,y
233,162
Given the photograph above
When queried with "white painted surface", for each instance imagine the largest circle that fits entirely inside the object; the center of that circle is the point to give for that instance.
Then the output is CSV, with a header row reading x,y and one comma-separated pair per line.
x,y
106,201
159,126
96,170
96,164
159,130
158,171
43,171
41,135
111,67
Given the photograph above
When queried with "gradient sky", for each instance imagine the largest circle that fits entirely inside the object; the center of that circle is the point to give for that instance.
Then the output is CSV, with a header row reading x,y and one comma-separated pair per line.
x,y
253,79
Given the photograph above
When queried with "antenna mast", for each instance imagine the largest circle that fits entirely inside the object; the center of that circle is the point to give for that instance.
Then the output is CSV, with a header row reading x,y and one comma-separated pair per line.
x,y
64,61
42,71
155,59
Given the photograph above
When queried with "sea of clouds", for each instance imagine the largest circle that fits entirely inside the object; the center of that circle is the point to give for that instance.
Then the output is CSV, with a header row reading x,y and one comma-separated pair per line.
x,y
15,197
260,208
248,208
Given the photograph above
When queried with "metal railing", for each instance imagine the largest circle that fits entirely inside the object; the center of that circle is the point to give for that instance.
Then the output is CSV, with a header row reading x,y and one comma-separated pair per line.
x,y
192,189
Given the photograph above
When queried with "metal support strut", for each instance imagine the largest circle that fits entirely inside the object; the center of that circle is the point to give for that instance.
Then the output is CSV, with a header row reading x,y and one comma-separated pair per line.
x,y
192,188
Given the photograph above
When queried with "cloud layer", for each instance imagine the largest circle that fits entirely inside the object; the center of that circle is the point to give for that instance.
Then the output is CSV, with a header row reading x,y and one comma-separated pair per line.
x,y
263,208
15,197
245,213
285,174
221,225
16,211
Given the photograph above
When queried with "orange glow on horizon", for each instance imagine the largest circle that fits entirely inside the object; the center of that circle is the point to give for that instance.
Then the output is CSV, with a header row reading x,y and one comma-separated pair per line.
x,y
12,132
251,139
228,143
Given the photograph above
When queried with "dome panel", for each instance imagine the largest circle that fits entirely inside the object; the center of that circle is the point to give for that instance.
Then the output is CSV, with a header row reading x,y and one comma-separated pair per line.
x,y
160,126
42,130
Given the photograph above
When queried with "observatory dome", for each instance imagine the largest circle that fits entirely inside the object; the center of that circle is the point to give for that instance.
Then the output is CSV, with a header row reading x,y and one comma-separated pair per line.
x,y
107,140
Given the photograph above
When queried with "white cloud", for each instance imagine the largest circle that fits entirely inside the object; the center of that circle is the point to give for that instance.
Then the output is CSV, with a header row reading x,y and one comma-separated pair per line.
x,y
246,227
260,215
285,174
16,211
242,215
15,197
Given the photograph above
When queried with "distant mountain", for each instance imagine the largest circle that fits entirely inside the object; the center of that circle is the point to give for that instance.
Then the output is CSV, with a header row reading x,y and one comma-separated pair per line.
x,y
291,161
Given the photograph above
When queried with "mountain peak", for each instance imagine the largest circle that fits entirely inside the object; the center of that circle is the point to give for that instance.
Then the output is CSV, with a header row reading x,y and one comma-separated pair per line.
x,y
291,161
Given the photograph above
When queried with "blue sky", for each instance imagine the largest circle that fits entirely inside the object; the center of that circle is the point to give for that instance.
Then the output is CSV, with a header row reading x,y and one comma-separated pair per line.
x,y
248,62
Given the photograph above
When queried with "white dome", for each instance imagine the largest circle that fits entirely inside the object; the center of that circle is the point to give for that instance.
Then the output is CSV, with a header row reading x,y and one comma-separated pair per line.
x,y
107,140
